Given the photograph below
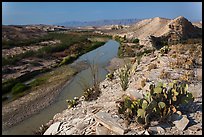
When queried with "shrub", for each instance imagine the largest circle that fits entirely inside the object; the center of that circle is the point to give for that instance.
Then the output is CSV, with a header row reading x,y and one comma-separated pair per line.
x,y
164,75
18,88
120,51
91,93
7,85
110,76
164,50
68,59
152,66
88,94
124,74
72,103
135,40
38,81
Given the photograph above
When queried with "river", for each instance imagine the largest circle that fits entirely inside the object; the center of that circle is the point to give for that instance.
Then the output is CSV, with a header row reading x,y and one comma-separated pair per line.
x,y
101,57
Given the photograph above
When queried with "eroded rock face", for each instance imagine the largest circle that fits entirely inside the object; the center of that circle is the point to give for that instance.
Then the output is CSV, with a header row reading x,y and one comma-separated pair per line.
x,y
184,28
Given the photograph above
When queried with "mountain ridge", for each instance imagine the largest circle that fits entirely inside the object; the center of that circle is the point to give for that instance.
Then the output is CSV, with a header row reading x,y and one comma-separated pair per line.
x,y
99,22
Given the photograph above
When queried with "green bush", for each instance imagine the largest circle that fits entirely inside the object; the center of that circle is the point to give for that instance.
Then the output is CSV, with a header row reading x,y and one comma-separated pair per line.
x,y
88,93
7,85
72,103
110,76
18,88
164,50
136,40
38,81
68,59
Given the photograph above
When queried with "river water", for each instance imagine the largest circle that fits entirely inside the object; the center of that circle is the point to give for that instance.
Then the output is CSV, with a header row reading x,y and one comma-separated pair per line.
x,y
101,57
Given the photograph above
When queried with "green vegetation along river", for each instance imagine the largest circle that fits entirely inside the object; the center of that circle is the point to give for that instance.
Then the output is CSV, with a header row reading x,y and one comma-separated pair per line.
x,y
101,56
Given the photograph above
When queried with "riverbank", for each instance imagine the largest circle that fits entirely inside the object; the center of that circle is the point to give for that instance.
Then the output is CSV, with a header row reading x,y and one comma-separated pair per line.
x,y
84,119
41,96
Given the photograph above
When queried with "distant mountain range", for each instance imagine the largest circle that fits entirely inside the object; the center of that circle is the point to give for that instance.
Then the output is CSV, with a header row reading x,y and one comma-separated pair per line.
x,y
98,22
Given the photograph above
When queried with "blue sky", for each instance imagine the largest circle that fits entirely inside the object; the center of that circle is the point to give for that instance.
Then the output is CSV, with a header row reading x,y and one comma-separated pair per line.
x,y
57,12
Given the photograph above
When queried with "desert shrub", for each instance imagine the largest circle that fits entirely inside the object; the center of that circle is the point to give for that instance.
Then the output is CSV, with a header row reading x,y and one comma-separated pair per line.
x,y
139,59
4,98
94,46
146,51
164,74
66,60
119,39
136,40
110,76
152,66
88,93
164,50
91,93
8,84
124,74
159,103
72,103
18,88
38,81
120,51
187,76
183,62
13,60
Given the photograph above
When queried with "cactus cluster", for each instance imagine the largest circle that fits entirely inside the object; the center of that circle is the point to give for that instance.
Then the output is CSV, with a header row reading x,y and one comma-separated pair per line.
x,y
159,103
110,76
72,103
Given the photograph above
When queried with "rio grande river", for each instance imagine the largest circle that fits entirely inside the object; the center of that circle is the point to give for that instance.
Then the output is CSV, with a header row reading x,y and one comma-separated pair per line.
x,y
101,57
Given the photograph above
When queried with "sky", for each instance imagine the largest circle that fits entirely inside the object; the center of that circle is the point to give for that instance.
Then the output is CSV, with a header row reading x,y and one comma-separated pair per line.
x,y
21,13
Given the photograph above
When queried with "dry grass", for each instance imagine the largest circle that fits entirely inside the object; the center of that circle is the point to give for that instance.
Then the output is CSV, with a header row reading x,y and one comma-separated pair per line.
x,y
165,75
152,66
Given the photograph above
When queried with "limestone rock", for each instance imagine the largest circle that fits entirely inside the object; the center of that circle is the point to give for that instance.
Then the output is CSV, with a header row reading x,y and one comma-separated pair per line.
x,y
199,74
180,121
106,120
156,129
70,131
52,129
101,130
134,93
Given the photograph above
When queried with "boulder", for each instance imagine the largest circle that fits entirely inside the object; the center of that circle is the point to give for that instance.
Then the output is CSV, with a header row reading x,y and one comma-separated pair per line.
x,y
180,121
106,120
101,130
133,93
53,129
70,131
146,133
199,74
81,125
156,130
141,82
